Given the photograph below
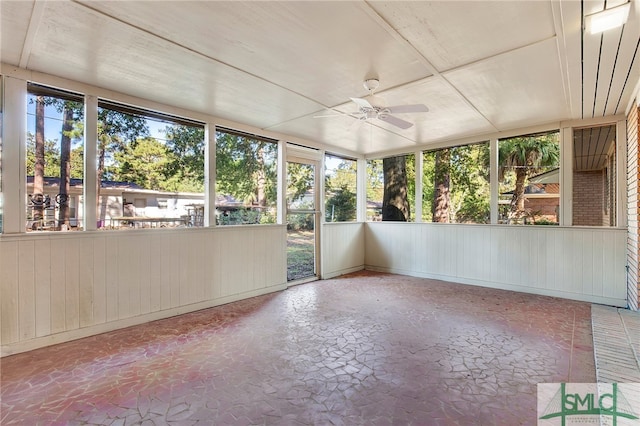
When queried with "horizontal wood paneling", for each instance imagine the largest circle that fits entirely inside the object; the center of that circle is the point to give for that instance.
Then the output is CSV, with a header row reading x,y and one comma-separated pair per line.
x,y
57,287
342,248
576,263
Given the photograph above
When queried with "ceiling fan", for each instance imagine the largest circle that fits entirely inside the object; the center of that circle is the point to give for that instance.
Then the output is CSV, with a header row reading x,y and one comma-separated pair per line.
x,y
374,107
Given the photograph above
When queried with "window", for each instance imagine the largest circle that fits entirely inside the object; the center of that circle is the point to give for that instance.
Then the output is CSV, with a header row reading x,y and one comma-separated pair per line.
x,y
391,188
340,189
145,157
529,173
246,178
55,149
455,185
594,176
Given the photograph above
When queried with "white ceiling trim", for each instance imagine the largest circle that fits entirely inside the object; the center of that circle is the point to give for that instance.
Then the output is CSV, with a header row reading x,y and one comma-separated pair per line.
x,y
34,23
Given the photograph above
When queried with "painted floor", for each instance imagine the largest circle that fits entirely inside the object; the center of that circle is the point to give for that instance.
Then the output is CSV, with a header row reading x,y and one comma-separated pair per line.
x,y
363,349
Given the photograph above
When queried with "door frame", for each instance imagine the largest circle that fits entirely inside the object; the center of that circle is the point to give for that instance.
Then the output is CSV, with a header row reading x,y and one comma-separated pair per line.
x,y
302,155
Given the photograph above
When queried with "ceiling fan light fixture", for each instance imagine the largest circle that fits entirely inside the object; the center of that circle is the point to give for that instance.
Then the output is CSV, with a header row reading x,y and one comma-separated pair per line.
x,y
371,84
607,19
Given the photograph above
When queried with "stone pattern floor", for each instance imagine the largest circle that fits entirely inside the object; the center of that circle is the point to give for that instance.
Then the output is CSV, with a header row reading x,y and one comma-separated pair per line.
x,y
363,349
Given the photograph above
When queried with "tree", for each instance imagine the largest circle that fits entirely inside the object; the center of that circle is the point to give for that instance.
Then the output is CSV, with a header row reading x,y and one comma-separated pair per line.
x,y
39,164
51,156
340,189
142,163
116,132
526,156
65,166
246,168
395,204
300,180
185,147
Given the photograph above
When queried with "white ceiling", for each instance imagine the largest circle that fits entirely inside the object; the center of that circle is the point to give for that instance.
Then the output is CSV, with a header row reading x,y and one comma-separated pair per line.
x,y
480,66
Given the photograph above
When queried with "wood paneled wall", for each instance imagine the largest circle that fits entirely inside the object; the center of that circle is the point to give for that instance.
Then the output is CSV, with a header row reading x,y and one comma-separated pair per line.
x,y
576,263
342,248
61,286
633,156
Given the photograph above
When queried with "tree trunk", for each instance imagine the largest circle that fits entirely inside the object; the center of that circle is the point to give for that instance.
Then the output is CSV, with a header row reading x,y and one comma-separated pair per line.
x,y
441,185
395,205
517,201
38,172
65,167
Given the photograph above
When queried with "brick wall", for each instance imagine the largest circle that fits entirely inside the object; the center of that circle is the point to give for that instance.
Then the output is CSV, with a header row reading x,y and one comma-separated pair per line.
x,y
588,198
633,122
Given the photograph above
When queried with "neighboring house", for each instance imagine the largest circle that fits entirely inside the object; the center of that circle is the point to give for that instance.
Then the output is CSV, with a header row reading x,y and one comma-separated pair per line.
x,y
126,204
541,198
117,200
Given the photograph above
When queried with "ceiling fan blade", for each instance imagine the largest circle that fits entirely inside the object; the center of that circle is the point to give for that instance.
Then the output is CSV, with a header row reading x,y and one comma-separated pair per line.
x,y
362,103
398,122
400,109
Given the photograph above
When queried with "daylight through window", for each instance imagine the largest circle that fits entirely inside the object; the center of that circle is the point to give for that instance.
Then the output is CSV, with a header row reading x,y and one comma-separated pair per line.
x,y
246,178
150,168
55,148
529,173
455,185
340,189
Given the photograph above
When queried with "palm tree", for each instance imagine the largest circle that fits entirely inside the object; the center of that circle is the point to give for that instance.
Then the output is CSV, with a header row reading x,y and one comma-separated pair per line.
x,y
526,156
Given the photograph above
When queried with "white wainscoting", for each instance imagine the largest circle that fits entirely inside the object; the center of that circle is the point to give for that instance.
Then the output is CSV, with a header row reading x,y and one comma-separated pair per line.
x,y
342,248
61,286
578,263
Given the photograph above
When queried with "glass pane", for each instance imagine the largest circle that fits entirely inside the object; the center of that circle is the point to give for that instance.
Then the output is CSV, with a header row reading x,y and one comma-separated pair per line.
x,y
246,182
391,188
301,219
151,170
300,186
300,246
55,165
456,185
340,189
594,176
529,170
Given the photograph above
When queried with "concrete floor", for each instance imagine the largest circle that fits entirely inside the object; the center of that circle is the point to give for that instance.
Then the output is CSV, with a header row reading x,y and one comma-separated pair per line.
x,y
363,349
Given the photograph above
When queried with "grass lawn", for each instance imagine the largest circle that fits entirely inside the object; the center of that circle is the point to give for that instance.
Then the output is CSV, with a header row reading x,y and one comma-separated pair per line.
x,y
300,254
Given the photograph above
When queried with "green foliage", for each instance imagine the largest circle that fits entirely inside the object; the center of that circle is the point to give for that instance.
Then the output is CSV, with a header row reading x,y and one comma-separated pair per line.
x,y
300,180
117,131
519,159
340,191
51,156
341,205
469,185
375,180
143,163
184,170
246,168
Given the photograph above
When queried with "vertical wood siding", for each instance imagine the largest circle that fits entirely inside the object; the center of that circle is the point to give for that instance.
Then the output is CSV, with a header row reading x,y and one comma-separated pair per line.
x,y
576,263
633,158
58,287
342,248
